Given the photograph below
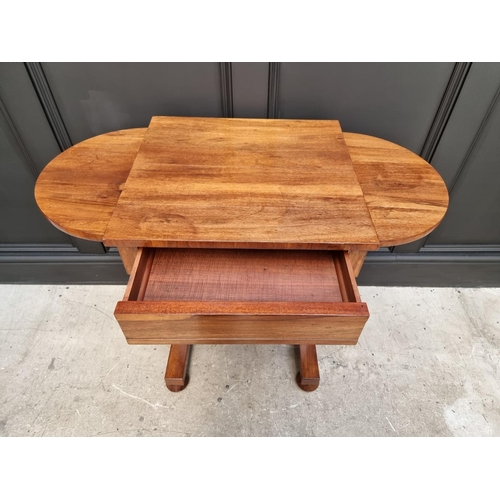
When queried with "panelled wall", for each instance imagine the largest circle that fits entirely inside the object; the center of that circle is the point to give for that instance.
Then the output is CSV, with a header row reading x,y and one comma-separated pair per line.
x,y
449,113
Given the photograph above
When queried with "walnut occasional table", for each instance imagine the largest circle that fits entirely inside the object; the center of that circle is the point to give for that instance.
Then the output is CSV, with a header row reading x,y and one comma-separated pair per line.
x,y
241,230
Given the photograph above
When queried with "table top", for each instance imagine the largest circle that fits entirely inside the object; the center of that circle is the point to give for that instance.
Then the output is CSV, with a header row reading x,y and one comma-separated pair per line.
x,y
242,183
79,190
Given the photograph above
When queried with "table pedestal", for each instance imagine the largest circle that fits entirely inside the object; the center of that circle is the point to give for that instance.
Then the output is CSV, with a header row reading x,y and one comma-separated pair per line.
x,y
176,376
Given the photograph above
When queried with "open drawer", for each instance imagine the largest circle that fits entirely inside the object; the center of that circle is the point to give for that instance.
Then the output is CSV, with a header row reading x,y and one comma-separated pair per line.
x,y
204,296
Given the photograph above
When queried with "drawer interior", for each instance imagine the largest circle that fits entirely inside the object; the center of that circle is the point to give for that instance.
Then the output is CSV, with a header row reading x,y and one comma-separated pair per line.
x,y
205,296
164,274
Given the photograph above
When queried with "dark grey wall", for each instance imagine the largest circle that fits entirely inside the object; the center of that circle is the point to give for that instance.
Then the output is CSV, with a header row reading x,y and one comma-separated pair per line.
x,y
250,89
26,146
395,101
469,158
94,98
446,112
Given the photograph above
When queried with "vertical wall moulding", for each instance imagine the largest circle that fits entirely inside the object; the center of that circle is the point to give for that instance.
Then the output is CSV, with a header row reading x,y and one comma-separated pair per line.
x,y
49,105
273,92
450,97
19,141
445,109
226,80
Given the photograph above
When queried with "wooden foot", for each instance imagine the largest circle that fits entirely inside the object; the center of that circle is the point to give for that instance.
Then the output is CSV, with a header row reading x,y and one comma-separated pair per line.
x,y
176,375
308,376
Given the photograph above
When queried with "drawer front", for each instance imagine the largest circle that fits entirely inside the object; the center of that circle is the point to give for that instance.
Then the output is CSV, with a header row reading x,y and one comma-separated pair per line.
x,y
243,330
270,309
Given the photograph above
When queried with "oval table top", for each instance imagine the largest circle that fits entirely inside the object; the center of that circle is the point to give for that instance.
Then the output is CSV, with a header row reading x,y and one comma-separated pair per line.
x,y
79,189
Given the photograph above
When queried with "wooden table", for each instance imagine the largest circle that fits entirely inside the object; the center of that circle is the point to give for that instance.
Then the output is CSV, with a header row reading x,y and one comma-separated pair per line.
x,y
249,231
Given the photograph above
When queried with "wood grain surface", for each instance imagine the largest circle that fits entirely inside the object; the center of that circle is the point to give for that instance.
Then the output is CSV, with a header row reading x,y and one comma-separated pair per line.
x,y
242,183
187,308
241,275
406,197
244,329
79,189
357,259
128,255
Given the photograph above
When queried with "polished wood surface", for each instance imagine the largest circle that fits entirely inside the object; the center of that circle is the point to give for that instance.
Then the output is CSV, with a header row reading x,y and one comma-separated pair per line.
x,y
308,375
176,377
79,189
185,309
201,304
406,197
243,275
198,328
242,183
139,277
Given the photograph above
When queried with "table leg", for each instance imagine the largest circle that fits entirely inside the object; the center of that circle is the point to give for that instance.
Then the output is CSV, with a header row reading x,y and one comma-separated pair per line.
x,y
176,376
128,255
357,260
308,376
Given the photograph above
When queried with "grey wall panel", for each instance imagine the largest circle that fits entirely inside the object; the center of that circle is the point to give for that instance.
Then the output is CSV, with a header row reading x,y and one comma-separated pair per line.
x,y
32,142
250,85
19,97
471,108
94,98
473,217
26,145
395,101
431,269
20,219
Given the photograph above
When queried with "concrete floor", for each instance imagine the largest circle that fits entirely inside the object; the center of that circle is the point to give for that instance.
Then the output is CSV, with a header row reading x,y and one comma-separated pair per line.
x,y
427,364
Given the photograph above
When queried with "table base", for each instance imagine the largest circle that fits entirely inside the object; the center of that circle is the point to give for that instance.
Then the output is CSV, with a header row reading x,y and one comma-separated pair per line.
x,y
177,379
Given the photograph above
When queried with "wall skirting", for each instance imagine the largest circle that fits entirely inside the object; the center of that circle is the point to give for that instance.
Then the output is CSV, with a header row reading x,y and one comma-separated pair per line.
x,y
433,269
59,264
63,264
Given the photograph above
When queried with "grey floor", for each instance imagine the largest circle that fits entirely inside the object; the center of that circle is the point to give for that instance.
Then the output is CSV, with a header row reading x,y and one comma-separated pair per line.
x,y
427,364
